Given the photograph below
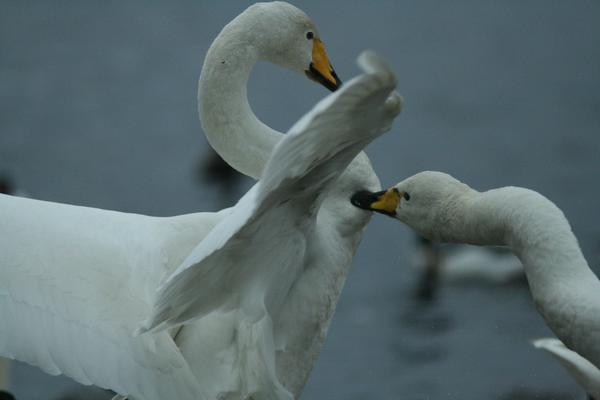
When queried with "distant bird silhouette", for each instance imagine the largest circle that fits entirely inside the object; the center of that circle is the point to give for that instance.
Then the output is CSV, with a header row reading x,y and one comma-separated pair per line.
x,y
429,265
213,168
462,265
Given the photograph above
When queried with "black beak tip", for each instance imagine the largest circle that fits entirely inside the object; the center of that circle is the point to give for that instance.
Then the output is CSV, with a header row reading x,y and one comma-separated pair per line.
x,y
332,86
362,199
314,75
338,81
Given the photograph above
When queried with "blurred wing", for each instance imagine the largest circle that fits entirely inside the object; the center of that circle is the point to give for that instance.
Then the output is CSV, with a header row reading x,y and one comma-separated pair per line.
x,y
267,226
583,371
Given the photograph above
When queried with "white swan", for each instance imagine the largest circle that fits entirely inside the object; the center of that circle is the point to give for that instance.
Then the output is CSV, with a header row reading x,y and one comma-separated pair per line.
x,y
584,372
564,288
75,282
465,264
476,264
461,265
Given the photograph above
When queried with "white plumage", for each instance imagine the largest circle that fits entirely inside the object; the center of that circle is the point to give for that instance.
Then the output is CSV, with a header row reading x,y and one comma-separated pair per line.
x,y
584,372
275,229
258,292
74,284
565,290
477,264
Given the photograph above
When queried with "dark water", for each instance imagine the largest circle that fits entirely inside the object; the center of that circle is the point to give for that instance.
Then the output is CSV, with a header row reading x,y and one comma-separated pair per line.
x,y
98,108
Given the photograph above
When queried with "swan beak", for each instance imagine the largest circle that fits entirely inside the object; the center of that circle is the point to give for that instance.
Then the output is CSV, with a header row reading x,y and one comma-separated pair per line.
x,y
384,202
320,69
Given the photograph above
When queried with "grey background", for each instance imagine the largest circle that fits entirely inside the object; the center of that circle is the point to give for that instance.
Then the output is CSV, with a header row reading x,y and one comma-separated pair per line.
x,y
98,108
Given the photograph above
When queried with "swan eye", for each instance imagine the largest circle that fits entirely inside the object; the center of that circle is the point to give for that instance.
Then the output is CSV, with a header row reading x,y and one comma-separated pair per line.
x,y
310,35
406,196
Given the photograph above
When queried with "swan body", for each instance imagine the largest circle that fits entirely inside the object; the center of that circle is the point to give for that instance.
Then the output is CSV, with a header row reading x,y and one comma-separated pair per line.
x,y
246,294
565,290
584,372
463,265
243,141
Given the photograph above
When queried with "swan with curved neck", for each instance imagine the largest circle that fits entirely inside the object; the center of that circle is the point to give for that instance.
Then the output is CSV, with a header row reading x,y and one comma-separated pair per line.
x,y
261,280
565,290
280,33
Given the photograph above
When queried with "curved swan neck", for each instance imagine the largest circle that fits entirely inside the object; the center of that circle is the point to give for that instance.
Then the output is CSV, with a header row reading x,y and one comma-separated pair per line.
x,y
230,125
531,225
468,217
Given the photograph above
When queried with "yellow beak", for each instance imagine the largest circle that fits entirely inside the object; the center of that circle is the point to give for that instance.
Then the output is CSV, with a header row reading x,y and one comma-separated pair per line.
x,y
320,69
385,202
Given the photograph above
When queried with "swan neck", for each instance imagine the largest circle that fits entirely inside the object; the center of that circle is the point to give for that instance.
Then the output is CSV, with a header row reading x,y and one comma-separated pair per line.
x,y
231,127
470,217
541,236
534,228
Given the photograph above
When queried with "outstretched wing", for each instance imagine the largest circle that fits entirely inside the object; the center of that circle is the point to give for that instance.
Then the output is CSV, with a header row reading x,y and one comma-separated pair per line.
x,y
72,284
583,371
267,227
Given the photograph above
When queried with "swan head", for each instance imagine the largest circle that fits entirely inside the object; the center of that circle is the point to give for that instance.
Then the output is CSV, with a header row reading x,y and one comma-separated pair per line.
x,y
285,35
421,201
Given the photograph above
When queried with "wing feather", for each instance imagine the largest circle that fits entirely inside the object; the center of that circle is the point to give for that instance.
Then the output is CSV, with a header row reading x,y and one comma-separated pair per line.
x,y
582,370
70,297
303,165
